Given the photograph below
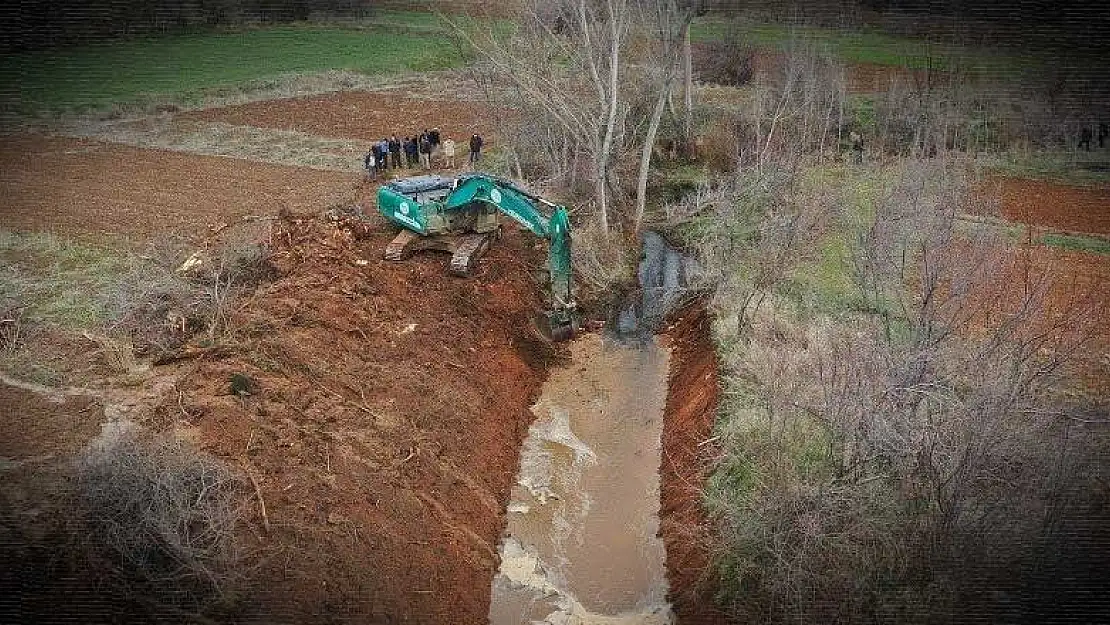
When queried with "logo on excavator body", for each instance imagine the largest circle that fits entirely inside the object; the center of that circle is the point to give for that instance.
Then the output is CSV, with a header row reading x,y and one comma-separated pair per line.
x,y
495,195
402,215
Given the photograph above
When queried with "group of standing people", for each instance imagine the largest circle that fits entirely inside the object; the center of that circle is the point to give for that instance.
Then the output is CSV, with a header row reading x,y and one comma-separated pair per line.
x,y
1086,135
417,151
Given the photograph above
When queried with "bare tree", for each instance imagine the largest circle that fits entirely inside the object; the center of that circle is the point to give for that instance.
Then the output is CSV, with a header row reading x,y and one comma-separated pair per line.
x,y
595,77
688,91
672,22
566,61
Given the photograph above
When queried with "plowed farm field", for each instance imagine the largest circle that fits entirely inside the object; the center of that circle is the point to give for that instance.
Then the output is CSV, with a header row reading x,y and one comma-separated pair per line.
x,y
1054,206
91,190
363,115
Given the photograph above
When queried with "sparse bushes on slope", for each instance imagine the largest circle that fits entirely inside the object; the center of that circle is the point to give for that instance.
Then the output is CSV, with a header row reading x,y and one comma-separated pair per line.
x,y
898,461
132,306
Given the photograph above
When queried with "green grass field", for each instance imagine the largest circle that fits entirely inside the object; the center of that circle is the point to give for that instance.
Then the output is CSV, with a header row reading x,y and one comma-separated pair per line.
x,y
1077,243
93,76
861,46
1063,166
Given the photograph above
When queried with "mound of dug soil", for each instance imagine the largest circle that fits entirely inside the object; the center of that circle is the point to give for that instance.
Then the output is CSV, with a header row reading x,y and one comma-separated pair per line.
x,y
379,407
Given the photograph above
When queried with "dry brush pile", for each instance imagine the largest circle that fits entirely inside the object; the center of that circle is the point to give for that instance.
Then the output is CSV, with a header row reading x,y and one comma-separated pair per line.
x,y
159,517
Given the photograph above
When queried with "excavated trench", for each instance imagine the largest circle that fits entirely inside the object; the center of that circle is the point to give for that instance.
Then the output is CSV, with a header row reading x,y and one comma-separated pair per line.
x,y
583,541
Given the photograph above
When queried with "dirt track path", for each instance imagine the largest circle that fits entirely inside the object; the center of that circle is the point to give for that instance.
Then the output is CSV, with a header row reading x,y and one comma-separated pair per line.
x,y
261,145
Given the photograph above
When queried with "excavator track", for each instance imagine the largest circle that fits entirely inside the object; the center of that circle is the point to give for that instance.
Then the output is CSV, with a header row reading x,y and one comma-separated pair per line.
x,y
401,246
470,248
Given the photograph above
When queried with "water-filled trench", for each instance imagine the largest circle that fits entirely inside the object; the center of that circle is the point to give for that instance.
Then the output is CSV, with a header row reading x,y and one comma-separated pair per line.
x,y
582,542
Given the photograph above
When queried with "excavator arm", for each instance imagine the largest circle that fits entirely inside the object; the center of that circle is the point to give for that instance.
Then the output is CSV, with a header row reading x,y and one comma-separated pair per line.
x,y
428,206
523,207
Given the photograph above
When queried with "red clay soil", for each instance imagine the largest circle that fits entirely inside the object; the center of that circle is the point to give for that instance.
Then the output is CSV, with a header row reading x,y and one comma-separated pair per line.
x,y
688,421
876,78
33,425
860,77
1052,205
1071,292
94,191
37,437
362,115
387,406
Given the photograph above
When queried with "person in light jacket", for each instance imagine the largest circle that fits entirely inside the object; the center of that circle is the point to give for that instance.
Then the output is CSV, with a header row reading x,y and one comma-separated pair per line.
x,y
449,152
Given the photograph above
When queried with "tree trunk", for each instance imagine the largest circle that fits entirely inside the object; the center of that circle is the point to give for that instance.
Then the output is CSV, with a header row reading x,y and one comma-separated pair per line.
x,y
688,94
645,154
602,191
603,157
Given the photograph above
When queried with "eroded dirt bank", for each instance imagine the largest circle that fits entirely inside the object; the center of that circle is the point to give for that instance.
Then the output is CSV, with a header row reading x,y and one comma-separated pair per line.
x,y
386,407
688,421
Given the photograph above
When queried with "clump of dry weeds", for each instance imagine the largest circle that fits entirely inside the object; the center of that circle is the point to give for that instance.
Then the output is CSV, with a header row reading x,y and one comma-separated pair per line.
x,y
159,515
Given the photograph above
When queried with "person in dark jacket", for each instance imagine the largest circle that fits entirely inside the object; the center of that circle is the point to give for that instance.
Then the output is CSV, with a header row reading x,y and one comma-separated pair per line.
x,y
475,148
394,152
1085,136
425,151
433,138
411,151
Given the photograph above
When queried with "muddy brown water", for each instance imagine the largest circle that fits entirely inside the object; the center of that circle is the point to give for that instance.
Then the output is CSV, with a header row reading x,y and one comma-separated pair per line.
x,y
581,546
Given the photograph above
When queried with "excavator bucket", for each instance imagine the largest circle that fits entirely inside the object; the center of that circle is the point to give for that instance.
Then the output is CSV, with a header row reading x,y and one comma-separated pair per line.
x,y
558,325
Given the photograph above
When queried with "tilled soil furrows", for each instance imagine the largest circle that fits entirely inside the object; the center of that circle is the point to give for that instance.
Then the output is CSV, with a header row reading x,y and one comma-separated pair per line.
x,y
1054,206
95,191
364,115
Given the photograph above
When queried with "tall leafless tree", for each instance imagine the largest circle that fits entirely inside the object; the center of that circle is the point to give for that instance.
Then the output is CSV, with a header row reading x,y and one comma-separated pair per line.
x,y
671,20
566,60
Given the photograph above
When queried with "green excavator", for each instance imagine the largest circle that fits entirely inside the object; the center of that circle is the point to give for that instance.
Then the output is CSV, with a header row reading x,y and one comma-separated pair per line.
x,y
463,216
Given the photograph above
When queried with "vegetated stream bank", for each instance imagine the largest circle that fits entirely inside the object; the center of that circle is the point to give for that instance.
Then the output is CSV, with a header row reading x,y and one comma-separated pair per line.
x,y
584,541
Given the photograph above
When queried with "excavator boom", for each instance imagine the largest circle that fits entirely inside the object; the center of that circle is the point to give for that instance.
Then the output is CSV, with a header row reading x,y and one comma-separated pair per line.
x,y
460,216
